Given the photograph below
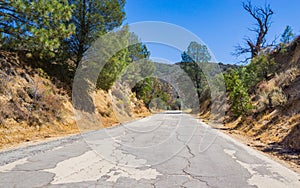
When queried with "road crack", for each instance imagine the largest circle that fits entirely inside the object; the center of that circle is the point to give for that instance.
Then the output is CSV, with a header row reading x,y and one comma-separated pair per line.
x,y
189,163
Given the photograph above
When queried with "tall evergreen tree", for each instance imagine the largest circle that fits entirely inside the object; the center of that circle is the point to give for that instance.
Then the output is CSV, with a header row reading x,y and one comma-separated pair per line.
x,y
140,66
92,18
287,35
138,50
34,25
196,53
192,63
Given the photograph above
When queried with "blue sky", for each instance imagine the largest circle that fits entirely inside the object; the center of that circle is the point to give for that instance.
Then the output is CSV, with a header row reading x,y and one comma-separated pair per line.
x,y
220,24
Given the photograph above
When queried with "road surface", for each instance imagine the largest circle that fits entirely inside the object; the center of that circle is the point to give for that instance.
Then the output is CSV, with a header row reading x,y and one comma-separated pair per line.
x,y
170,149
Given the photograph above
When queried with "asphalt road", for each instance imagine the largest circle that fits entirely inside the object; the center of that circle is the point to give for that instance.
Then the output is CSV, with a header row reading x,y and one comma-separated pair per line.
x,y
164,150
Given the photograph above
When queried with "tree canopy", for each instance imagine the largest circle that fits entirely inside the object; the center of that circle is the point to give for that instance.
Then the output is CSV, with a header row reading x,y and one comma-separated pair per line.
x,y
287,35
196,53
192,63
37,26
92,19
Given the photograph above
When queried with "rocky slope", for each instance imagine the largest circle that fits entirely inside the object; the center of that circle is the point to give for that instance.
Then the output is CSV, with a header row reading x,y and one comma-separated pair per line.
x,y
35,104
275,121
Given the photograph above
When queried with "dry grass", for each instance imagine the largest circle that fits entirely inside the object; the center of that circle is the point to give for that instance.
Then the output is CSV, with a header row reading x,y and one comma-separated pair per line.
x,y
20,132
276,103
277,98
33,107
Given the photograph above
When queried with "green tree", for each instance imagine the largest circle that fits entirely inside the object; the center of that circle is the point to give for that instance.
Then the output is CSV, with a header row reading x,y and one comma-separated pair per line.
x,y
143,90
92,19
115,64
151,88
139,66
138,50
192,62
237,92
34,25
241,81
287,35
260,68
130,63
196,53
186,58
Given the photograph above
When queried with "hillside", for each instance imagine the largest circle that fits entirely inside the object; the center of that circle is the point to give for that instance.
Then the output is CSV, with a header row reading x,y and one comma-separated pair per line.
x,y
274,124
36,103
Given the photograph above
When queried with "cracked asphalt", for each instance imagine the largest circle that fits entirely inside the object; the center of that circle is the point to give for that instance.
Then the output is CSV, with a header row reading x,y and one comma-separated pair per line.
x,y
170,149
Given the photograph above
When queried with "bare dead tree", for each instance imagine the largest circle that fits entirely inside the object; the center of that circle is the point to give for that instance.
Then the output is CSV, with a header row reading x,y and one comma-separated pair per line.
x,y
262,16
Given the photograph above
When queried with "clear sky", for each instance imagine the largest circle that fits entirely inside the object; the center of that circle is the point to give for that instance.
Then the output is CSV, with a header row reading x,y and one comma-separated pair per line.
x,y
221,24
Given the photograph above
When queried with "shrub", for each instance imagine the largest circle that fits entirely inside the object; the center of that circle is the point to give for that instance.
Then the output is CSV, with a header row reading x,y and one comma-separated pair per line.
x,y
42,73
263,102
277,98
259,69
285,78
154,88
238,93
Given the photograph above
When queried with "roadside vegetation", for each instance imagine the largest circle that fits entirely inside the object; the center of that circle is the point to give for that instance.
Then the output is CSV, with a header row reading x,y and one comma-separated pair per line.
x,y
262,90
42,44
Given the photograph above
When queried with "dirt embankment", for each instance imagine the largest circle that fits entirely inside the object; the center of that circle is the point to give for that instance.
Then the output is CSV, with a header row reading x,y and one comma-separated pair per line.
x,y
274,124
35,105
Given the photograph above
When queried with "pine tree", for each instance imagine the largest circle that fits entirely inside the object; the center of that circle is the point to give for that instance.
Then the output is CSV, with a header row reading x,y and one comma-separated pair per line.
x,y
193,60
92,19
238,93
287,35
34,25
